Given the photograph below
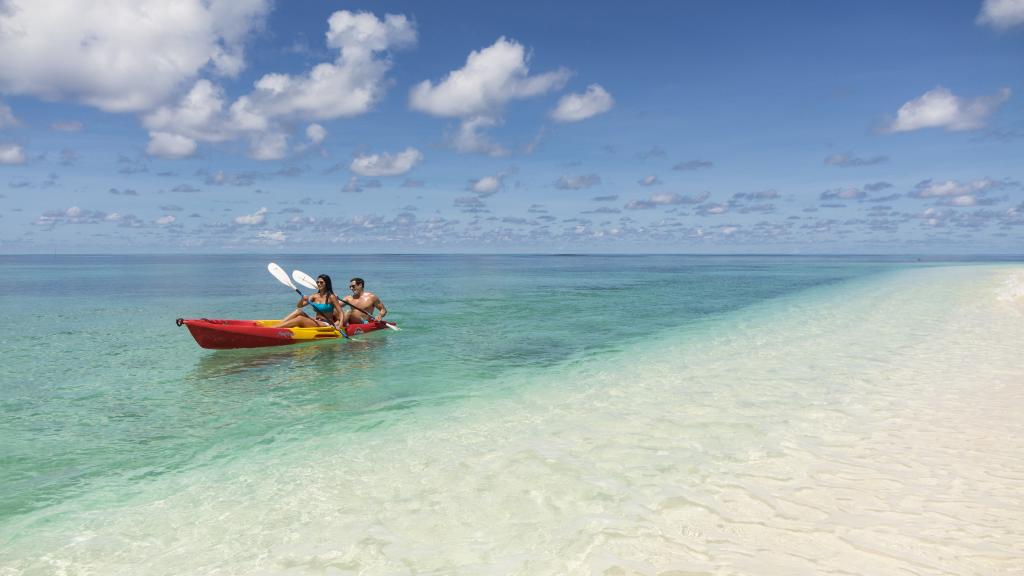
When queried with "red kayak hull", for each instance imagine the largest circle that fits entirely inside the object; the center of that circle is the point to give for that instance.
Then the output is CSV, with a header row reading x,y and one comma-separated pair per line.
x,y
220,334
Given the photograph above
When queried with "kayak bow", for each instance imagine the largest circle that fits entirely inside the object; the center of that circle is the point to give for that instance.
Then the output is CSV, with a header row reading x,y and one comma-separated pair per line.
x,y
222,334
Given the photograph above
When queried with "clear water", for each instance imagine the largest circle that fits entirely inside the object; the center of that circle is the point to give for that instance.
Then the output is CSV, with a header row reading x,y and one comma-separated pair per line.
x,y
534,415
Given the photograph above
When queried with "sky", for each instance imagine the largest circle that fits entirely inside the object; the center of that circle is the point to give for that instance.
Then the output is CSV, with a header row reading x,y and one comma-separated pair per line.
x,y
242,126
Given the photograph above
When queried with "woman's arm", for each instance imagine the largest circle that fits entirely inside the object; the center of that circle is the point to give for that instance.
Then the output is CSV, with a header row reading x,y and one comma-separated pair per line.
x,y
339,314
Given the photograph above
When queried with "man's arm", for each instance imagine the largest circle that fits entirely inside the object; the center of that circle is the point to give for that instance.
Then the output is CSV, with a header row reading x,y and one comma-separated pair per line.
x,y
380,306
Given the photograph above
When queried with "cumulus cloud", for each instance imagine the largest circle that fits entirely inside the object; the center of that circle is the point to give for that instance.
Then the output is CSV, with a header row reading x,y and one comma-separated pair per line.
x,y
316,133
72,215
470,137
488,185
11,154
576,107
958,194
269,146
7,118
349,86
940,108
252,219
165,220
1001,14
490,78
577,182
931,189
156,45
649,181
477,92
275,236
849,160
169,145
386,164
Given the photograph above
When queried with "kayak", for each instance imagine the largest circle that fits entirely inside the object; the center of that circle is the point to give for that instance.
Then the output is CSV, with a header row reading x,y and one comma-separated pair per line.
x,y
226,334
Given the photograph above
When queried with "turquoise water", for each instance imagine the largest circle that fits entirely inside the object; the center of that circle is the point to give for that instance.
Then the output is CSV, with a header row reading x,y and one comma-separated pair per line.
x,y
109,406
101,386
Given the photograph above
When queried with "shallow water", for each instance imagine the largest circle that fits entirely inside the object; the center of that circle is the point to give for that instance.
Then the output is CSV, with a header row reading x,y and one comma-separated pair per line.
x,y
536,415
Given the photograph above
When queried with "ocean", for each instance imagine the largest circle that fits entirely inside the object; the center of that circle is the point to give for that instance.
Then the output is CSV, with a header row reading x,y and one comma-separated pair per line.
x,y
562,414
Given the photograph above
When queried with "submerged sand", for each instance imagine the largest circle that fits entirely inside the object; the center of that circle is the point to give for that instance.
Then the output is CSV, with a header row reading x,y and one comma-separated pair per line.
x,y
874,428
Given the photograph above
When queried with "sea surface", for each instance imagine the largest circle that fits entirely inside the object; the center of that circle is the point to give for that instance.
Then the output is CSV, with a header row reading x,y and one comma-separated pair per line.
x,y
675,415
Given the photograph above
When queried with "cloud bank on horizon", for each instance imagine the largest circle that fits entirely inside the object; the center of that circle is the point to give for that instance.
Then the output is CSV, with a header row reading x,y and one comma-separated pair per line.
x,y
229,125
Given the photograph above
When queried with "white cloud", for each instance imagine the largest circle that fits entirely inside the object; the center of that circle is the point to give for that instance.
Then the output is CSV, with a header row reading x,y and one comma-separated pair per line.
x,y
576,107
964,200
269,146
477,92
487,186
386,164
120,55
7,118
471,137
275,236
649,181
940,108
170,145
1001,14
165,220
349,86
952,188
11,154
252,219
490,78
316,133
197,116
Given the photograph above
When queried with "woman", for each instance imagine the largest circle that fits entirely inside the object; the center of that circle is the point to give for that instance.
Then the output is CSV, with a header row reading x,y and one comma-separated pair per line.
x,y
326,304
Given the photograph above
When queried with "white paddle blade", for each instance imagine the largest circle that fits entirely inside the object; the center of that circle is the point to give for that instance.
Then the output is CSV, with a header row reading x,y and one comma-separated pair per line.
x,y
304,279
281,275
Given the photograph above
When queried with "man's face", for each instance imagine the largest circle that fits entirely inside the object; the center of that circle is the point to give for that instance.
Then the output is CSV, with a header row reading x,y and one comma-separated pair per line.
x,y
357,289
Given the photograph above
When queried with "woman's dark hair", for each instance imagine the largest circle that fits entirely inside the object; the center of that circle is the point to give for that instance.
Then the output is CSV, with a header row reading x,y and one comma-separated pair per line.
x,y
327,283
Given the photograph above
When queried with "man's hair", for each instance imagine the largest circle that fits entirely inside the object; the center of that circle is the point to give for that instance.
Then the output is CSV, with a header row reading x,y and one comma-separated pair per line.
x,y
358,281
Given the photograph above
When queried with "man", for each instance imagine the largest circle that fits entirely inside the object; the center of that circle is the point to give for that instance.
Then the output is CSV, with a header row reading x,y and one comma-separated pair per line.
x,y
362,304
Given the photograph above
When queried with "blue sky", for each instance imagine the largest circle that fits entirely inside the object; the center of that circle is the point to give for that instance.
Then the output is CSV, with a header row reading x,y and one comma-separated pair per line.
x,y
693,127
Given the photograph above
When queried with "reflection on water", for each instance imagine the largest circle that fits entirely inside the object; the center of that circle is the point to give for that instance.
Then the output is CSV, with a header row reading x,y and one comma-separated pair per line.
x,y
333,357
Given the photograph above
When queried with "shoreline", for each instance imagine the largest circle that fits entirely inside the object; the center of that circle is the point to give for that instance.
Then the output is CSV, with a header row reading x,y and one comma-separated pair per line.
x,y
729,454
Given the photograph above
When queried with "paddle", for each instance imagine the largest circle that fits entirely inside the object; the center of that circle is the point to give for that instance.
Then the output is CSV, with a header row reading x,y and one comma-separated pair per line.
x,y
282,277
307,281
